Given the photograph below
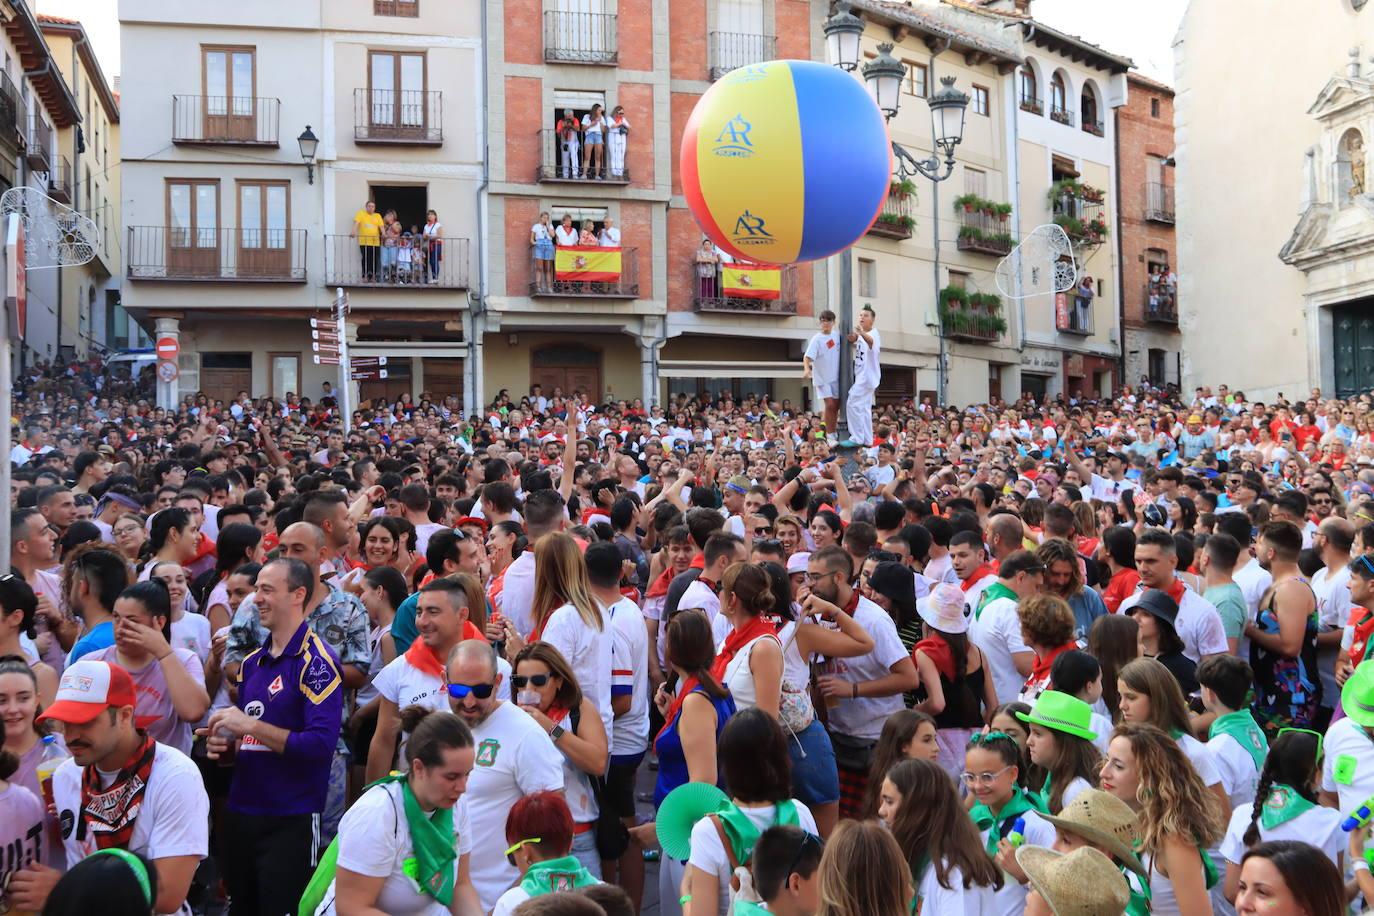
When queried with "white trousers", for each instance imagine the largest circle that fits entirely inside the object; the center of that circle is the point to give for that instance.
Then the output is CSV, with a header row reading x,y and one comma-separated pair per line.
x,y
858,411
615,151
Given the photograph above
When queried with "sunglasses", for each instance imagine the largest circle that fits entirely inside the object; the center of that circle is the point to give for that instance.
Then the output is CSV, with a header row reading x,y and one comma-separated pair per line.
x,y
480,691
510,853
520,680
806,840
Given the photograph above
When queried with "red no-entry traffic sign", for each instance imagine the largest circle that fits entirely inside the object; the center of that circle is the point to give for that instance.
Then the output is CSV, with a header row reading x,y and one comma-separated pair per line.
x,y
168,349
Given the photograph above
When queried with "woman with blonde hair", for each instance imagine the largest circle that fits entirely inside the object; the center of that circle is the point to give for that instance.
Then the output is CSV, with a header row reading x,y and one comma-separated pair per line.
x,y
1150,695
1178,821
863,873
567,617
1085,528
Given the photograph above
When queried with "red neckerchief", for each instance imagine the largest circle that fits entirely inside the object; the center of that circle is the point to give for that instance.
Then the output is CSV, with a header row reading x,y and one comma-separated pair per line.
x,y
659,587
1176,590
424,659
738,639
675,709
110,813
712,584
979,574
853,604
938,651
1040,668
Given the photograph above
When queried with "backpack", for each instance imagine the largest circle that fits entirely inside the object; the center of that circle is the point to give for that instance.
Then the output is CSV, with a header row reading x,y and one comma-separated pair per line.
x,y
741,878
313,897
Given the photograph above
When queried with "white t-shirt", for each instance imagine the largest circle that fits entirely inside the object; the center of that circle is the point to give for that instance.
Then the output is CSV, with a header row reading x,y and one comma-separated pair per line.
x,y
1201,758
972,901
374,841
515,758
1348,747
541,232
1102,726
1239,776
174,819
566,237
588,652
1199,624
422,535
192,632
629,674
1012,897
974,593
1333,612
864,717
709,856
739,676
609,237
1106,489
824,352
516,600
997,632
1319,827
405,685
867,368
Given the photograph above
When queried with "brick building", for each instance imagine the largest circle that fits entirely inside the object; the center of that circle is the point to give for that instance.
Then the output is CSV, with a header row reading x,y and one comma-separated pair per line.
x,y
624,338
1145,167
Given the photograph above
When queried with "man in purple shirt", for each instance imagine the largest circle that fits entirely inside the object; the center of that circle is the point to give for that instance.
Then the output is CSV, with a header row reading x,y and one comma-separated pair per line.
x,y
290,703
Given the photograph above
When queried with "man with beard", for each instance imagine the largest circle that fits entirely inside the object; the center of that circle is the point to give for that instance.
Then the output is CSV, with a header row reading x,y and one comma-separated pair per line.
x,y
515,758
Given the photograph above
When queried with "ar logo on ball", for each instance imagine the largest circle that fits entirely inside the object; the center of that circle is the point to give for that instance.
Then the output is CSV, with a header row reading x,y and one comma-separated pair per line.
x,y
733,140
750,230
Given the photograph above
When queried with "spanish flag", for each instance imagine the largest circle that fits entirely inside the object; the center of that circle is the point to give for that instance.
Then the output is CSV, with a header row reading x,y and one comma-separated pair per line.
x,y
751,281
588,263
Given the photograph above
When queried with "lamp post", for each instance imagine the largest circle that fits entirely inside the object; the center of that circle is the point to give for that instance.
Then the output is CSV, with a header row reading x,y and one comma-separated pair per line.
x,y
308,143
883,77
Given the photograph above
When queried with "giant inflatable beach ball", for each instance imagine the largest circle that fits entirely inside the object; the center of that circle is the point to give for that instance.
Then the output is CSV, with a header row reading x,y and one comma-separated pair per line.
x,y
786,161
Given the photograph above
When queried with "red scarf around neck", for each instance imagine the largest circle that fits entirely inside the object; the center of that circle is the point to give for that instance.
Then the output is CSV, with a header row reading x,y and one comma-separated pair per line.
x,y
110,813
659,588
737,640
979,574
1176,590
1040,668
938,651
426,660
670,718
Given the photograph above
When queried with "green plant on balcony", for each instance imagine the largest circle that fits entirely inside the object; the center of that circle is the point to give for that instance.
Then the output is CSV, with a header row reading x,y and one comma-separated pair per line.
x,y
1092,194
954,295
1064,187
1003,212
898,220
903,189
966,202
956,321
1072,226
991,302
989,325
1097,228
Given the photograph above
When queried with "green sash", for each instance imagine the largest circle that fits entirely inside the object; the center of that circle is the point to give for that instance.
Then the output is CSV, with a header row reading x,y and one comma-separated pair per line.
x,y
1139,888
435,844
1242,728
983,818
991,593
745,908
1283,804
555,875
742,833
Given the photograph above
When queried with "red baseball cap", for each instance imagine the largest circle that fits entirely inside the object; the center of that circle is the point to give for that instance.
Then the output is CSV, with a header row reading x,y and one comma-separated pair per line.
x,y
87,689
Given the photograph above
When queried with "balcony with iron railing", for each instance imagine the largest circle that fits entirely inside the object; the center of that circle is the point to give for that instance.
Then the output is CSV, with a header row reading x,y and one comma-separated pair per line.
x,y
1159,203
1093,125
406,9
60,180
1077,316
564,162
984,225
238,120
422,266
1161,304
1062,114
405,117
732,50
895,220
973,316
1033,104
744,289
545,283
579,38
11,113
211,254
1077,209
41,147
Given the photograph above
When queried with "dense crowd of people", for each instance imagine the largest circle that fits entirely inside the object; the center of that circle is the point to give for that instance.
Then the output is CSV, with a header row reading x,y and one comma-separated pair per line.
x,y
1090,656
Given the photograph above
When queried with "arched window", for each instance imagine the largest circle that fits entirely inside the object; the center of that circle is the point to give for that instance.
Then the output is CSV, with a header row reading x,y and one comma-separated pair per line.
x,y
1087,107
1350,162
1059,98
1030,91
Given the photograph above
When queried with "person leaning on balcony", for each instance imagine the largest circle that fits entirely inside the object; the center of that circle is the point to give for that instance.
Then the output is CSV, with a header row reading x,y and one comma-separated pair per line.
x,y
1083,302
617,134
541,238
433,233
609,236
566,233
367,228
706,269
569,140
593,143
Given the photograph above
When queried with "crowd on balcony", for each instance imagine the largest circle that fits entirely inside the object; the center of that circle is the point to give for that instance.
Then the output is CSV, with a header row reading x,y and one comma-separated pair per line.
x,y
594,146
391,254
1132,620
546,239
1162,289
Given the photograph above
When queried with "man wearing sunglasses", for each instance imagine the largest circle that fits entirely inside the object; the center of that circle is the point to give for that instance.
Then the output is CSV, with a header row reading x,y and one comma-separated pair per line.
x,y
515,758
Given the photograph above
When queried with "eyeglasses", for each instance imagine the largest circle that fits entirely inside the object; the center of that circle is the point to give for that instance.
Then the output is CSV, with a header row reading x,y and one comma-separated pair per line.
x,y
809,576
520,680
806,840
480,691
1303,731
510,853
983,779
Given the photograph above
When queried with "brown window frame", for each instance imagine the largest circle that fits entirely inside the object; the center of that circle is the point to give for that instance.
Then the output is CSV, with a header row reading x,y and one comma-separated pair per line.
x,y
982,95
271,374
909,83
167,184
230,50
403,9
398,104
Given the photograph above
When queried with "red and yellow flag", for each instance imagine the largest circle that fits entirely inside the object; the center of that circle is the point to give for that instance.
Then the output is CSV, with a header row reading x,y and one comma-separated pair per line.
x,y
587,262
751,281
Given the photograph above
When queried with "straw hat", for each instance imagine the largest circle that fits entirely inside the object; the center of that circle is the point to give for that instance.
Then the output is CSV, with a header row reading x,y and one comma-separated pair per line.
x,y
1082,883
1103,820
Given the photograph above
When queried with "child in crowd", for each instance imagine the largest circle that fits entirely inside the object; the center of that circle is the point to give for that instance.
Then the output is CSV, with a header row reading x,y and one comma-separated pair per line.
x,y
1235,740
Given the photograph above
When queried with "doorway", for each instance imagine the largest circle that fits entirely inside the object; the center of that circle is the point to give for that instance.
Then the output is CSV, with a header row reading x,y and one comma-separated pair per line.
x,y
229,79
568,368
411,203
224,375
1353,336
1034,386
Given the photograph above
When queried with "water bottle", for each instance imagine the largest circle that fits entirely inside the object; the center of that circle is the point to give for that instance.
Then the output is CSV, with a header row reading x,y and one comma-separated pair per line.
x,y
53,755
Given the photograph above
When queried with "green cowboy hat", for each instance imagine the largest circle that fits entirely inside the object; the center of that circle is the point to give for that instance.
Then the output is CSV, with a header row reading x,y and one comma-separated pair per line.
x,y
1062,713
1357,696
679,813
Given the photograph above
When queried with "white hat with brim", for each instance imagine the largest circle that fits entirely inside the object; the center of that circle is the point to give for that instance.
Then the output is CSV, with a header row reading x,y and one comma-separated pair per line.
x,y
944,609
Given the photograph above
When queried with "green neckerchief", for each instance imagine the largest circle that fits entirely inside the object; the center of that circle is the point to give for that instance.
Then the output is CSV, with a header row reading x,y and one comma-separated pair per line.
x,y
1139,888
1283,805
1043,796
434,841
743,834
1019,803
991,593
565,874
745,908
1241,726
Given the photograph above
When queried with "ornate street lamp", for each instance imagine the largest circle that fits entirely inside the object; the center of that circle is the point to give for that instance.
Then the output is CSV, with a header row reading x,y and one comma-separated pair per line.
x,y
309,143
842,33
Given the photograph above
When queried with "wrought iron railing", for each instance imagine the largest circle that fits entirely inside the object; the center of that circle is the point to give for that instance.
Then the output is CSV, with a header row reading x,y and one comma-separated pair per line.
x,y
238,119
544,280
1159,202
400,116
206,253
712,294
417,266
579,38
732,50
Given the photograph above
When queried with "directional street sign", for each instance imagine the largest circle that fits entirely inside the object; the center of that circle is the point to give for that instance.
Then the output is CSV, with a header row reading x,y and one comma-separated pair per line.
x,y
367,374
326,360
